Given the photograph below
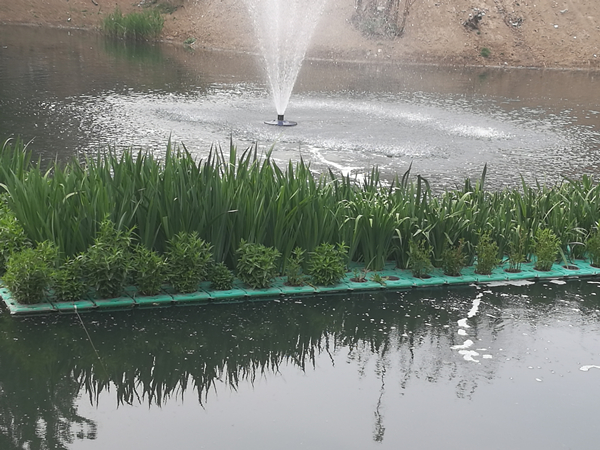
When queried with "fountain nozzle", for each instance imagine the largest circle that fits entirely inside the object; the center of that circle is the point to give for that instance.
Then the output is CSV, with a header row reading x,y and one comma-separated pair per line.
x,y
280,122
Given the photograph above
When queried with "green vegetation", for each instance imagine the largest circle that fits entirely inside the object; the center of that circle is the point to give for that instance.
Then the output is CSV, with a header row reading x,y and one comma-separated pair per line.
x,y
453,259
187,261
592,246
149,269
174,204
487,255
221,278
135,26
257,264
485,52
328,264
420,259
546,249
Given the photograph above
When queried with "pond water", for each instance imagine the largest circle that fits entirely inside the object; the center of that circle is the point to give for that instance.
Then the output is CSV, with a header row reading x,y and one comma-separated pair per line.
x,y
75,93
465,368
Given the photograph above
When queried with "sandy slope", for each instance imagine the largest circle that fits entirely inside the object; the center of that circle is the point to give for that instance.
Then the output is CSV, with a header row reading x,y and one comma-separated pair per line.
x,y
542,33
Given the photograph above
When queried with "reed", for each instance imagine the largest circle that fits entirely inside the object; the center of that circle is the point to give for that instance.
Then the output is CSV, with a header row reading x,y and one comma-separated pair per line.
x,y
136,26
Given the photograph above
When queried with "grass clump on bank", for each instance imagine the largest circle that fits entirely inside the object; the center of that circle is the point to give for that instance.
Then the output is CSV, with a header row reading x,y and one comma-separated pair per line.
x,y
224,202
135,26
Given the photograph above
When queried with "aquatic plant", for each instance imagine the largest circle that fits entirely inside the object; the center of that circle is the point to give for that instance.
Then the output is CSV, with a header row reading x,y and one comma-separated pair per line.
x,y
149,270
68,282
221,278
12,235
28,272
546,249
420,258
327,264
187,260
592,247
293,267
487,254
453,259
108,262
257,264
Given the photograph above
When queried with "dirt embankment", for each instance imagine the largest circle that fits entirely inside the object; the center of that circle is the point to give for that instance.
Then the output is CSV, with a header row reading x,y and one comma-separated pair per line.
x,y
538,33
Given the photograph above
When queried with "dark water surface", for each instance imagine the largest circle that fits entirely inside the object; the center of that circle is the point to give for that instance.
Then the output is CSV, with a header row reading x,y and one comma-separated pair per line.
x,y
73,92
509,367
465,368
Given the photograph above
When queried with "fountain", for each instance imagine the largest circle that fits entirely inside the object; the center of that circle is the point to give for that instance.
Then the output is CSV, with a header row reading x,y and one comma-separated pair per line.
x,y
283,29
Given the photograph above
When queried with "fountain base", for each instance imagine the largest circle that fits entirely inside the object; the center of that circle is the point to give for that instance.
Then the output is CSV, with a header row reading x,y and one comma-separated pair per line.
x,y
280,122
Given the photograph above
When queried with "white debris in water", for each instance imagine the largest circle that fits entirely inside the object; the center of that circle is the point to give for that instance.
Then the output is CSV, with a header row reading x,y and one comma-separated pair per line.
x,y
463,323
474,308
487,356
468,355
468,343
462,332
538,379
586,368
558,281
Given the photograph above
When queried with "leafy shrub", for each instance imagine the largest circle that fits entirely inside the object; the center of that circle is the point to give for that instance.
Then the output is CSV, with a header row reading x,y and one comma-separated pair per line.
x,y
545,249
256,264
328,264
453,259
293,267
487,255
68,282
12,235
28,272
419,258
149,269
221,278
187,261
485,52
108,262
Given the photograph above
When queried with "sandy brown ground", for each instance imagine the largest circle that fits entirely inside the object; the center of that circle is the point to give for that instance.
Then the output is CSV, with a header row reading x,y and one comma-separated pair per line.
x,y
538,33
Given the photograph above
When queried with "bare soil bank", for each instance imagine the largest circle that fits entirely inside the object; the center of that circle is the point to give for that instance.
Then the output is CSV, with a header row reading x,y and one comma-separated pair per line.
x,y
533,33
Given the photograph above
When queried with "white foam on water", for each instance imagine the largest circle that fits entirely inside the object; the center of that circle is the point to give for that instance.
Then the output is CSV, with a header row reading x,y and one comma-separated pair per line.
x,y
487,356
468,355
586,368
474,308
521,282
463,323
462,332
468,343
558,281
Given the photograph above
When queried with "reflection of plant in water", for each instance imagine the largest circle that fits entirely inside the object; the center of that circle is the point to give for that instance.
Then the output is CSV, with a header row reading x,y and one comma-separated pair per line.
x,y
151,356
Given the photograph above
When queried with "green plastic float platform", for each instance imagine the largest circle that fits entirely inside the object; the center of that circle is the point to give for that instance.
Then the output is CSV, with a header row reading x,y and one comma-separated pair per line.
x,y
392,278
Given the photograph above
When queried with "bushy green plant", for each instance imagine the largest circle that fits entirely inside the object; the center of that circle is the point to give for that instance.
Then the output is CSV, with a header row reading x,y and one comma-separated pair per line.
x,y
12,235
377,278
28,272
293,267
221,278
187,261
68,281
487,255
133,26
328,264
257,264
149,270
108,261
453,259
485,52
592,248
419,259
546,248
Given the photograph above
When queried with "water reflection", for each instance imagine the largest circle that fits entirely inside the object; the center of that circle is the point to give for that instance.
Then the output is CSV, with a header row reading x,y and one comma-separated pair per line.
x,y
155,356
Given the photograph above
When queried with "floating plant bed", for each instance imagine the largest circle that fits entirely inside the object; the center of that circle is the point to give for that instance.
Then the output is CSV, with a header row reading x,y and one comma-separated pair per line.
x,y
391,278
